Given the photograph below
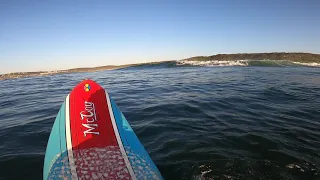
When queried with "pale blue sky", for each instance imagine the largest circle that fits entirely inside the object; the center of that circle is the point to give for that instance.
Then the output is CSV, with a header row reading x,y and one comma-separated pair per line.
x,y
49,35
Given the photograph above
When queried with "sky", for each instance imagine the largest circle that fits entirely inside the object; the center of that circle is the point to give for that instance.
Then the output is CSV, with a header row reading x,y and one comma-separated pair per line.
x,y
52,35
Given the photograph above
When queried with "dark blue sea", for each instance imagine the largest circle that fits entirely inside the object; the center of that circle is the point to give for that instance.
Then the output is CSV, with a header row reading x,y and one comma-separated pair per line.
x,y
217,123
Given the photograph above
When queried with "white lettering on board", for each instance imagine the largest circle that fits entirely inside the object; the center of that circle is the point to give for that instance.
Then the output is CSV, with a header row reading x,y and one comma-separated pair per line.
x,y
89,118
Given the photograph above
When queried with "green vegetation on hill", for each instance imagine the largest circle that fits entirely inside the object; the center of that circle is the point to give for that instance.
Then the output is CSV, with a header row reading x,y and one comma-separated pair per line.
x,y
296,57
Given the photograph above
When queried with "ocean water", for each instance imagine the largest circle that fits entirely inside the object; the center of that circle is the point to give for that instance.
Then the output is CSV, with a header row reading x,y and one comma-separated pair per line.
x,y
229,123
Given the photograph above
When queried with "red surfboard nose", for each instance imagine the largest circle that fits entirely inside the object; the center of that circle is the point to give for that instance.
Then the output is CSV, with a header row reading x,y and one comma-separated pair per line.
x,y
88,86
89,117
94,141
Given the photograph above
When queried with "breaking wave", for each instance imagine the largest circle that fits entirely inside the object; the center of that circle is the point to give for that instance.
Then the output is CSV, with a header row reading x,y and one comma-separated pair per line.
x,y
271,63
220,63
308,64
214,63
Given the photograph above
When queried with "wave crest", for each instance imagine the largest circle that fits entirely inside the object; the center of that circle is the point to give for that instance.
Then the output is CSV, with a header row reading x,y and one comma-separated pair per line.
x,y
217,63
214,63
314,64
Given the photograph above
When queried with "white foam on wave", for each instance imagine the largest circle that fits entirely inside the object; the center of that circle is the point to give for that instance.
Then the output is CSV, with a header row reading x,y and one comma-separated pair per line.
x,y
308,64
214,63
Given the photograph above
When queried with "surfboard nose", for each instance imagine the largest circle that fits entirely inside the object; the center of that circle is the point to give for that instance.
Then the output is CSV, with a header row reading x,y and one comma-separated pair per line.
x,y
88,86
92,139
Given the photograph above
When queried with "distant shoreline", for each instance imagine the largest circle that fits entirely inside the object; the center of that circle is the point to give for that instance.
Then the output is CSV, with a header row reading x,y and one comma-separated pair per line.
x,y
45,73
296,57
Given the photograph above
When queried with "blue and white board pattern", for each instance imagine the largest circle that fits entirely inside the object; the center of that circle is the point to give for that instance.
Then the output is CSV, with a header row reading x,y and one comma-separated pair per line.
x,y
91,139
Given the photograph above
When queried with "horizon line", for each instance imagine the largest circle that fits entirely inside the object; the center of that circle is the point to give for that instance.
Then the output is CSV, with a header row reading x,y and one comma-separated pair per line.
x,y
137,63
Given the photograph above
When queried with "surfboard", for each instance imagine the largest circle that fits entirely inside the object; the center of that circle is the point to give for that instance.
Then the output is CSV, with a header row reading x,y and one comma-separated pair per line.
x,y
91,139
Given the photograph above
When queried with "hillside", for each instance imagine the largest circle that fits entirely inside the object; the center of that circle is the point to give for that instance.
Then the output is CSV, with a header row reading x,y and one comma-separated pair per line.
x,y
43,73
296,57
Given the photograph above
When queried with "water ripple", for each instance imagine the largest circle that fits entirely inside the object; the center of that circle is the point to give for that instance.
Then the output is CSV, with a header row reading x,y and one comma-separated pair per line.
x,y
195,122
